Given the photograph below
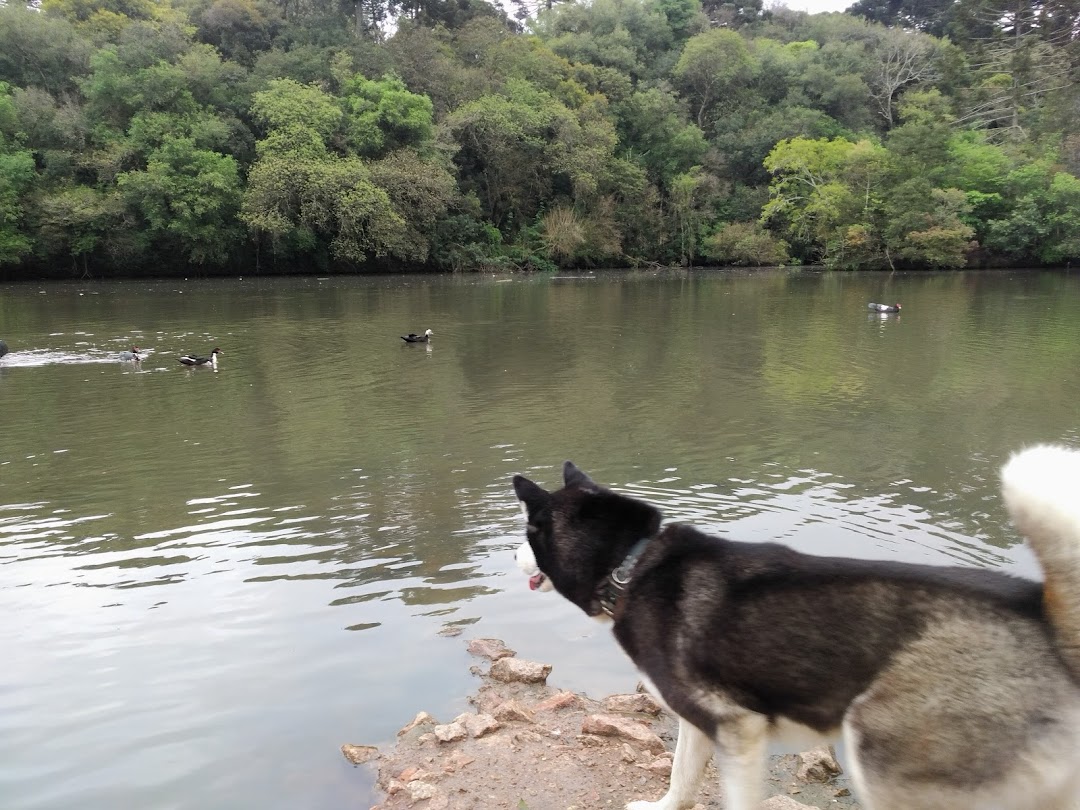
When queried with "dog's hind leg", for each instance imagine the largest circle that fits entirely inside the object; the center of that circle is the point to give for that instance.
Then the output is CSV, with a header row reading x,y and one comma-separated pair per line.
x,y
692,752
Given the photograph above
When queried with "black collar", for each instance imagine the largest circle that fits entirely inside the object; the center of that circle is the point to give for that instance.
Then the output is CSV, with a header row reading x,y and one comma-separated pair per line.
x,y
612,588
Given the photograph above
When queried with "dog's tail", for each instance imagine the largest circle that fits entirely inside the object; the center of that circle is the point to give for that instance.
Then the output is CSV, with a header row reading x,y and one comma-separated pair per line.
x,y
1041,488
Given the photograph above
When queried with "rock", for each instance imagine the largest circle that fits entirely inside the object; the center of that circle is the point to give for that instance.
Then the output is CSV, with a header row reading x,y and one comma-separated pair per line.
x,y
607,726
513,712
492,648
3,348
660,765
451,732
818,765
631,703
784,803
456,761
514,670
421,719
480,724
421,790
528,737
359,754
413,774
560,700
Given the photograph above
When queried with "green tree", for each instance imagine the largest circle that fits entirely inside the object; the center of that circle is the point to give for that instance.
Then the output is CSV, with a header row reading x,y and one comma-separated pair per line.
x,y
654,131
925,225
714,65
37,50
188,199
16,177
520,149
302,196
78,222
818,186
382,116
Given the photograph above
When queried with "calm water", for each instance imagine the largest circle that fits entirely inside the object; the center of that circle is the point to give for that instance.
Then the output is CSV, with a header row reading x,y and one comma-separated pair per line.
x,y
210,580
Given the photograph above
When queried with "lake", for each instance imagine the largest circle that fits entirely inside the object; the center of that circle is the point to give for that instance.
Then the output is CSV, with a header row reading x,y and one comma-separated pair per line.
x,y
211,579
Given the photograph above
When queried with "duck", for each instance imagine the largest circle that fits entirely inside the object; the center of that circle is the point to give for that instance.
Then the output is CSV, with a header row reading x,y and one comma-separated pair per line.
x,y
194,360
130,357
412,337
884,307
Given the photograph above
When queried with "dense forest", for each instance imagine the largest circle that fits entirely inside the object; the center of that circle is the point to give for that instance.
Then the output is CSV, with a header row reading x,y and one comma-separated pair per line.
x,y
238,136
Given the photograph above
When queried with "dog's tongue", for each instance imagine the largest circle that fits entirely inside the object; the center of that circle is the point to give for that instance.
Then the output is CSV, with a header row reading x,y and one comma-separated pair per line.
x,y
535,580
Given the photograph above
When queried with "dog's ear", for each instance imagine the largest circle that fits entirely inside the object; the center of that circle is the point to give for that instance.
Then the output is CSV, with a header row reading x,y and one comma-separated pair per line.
x,y
573,477
533,496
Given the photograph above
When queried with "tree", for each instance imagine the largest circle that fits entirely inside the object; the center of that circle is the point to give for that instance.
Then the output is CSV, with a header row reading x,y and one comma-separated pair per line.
x,y
811,194
654,130
633,36
238,29
75,221
37,50
382,116
288,106
188,198
302,196
1020,60
300,201
925,225
16,176
928,16
420,191
714,65
742,243
1043,222
520,149
905,59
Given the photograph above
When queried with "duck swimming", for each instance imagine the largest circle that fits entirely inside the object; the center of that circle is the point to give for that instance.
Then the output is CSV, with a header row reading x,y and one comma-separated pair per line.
x,y
412,337
884,307
194,360
130,357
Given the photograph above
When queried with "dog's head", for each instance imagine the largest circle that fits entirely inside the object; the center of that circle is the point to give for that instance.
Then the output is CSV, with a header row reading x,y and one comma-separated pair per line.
x,y
578,535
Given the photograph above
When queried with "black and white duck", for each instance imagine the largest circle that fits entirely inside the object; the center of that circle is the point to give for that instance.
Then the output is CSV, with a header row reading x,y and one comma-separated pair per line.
x,y
412,337
884,307
131,357
196,360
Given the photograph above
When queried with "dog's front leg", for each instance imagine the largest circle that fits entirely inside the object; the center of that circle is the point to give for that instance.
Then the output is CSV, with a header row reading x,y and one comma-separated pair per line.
x,y
742,744
692,752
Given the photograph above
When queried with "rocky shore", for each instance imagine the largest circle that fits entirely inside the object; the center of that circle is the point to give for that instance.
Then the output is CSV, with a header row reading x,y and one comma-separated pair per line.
x,y
529,746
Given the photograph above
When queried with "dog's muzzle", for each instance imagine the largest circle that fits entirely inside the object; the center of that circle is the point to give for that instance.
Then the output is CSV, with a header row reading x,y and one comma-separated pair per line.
x,y
526,561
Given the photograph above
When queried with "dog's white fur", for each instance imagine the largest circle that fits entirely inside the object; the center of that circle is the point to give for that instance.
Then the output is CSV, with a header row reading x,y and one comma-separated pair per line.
x,y
1041,489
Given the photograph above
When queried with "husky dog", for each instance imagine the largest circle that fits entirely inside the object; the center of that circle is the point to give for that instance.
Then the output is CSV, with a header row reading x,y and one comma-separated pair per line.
x,y
953,688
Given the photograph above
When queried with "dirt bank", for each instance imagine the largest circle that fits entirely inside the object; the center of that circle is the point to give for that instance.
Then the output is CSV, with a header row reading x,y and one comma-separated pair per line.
x,y
529,746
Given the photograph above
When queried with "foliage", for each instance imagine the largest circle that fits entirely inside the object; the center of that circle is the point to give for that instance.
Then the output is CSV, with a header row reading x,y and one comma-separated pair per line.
x,y
144,137
746,243
189,199
381,116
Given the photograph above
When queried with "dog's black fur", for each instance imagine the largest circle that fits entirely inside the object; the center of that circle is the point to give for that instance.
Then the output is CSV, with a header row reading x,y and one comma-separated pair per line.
x,y
787,634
